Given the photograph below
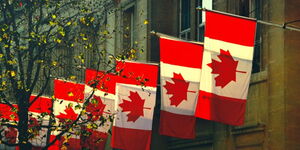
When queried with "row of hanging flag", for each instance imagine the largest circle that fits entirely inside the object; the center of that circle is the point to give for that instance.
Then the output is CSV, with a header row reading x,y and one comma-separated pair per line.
x,y
207,81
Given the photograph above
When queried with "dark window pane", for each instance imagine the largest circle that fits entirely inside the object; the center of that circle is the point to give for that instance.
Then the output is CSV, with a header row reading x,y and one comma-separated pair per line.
x,y
199,13
257,47
185,14
188,36
127,28
201,34
244,8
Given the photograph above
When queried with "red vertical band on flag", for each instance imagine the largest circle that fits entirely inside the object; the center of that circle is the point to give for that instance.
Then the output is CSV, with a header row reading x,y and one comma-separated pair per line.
x,y
73,143
137,73
229,28
221,109
69,91
131,139
177,125
6,112
181,53
95,141
41,104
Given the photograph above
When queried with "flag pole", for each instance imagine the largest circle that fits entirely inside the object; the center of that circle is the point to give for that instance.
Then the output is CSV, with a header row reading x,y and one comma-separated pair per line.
x,y
284,26
158,34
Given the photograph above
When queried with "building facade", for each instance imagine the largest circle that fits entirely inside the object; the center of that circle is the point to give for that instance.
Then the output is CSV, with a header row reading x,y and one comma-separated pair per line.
x,y
272,115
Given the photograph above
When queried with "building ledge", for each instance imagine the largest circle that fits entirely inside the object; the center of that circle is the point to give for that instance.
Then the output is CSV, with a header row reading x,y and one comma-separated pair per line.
x,y
181,143
254,127
259,77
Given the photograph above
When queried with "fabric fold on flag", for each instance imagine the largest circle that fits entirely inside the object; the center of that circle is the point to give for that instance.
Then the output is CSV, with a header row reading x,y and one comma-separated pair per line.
x,y
180,71
226,68
135,101
102,86
41,105
9,114
68,96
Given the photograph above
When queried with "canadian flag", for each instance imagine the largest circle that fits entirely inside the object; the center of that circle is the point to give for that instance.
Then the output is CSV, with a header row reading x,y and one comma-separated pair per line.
x,y
226,68
180,70
101,108
8,115
69,96
39,106
136,96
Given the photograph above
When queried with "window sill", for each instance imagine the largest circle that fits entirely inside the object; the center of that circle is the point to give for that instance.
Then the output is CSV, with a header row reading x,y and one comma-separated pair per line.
x,y
259,77
252,127
183,143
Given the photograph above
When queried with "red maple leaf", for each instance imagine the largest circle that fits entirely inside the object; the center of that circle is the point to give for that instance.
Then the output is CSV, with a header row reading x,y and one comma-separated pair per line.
x,y
69,114
11,135
96,109
178,89
135,106
33,122
92,139
226,68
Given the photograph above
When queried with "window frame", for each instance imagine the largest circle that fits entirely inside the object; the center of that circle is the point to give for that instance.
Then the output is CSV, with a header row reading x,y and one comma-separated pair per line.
x,y
184,33
207,4
126,9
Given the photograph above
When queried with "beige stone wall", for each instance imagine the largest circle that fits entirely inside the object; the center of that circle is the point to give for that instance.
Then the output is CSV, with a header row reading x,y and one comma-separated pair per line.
x,y
292,80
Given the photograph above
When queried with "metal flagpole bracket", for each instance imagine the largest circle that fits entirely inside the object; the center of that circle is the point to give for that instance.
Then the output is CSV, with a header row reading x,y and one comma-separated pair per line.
x,y
172,37
200,8
283,26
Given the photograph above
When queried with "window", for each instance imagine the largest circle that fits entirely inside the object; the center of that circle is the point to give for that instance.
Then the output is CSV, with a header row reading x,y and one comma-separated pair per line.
x,y
257,66
128,28
207,4
252,8
185,19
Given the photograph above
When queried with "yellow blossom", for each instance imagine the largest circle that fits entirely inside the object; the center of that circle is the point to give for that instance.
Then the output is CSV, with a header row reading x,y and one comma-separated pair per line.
x,y
70,94
84,38
82,20
62,33
92,19
146,22
52,23
12,73
11,62
54,63
105,32
40,61
89,126
72,77
69,23
58,41
22,47
5,35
